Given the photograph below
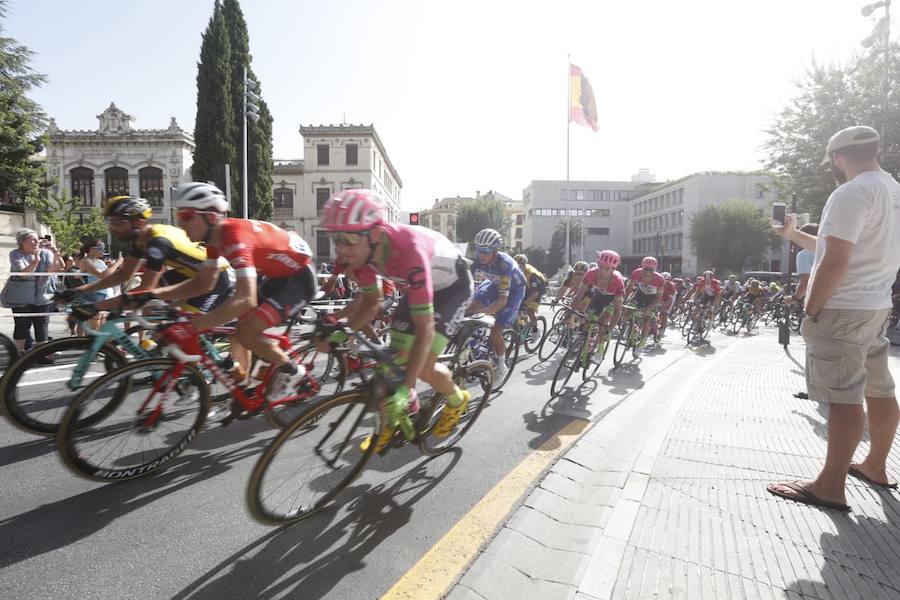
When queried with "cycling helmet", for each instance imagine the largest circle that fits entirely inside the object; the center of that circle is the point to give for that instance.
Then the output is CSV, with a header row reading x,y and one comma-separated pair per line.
x,y
732,277
774,287
129,207
707,273
580,266
353,210
488,238
649,262
608,257
521,259
667,276
199,196
593,266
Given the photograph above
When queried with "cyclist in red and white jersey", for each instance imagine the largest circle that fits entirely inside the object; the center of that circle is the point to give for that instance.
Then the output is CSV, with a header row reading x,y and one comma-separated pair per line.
x,y
707,291
648,287
670,292
275,280
604,288
439,290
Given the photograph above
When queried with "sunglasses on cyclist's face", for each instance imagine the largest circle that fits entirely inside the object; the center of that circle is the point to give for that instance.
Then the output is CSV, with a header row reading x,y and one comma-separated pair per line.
x,y
484,250
346,238
117,221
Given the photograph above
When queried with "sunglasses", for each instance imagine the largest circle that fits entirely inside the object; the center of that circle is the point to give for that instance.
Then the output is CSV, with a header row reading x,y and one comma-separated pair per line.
x,y
345,238
484,250
99,247
116,221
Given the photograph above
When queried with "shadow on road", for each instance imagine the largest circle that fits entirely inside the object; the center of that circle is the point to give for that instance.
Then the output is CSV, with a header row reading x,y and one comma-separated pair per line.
x,y
309,559
15,453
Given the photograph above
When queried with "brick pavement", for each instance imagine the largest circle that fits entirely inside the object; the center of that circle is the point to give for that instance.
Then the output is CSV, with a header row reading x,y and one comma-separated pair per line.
x,y
665,498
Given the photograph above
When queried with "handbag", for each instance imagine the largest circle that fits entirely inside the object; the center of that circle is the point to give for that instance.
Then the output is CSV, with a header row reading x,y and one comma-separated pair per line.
x,y
18,292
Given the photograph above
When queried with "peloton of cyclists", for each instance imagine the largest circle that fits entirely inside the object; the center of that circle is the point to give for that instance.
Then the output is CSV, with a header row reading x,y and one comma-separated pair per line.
x,y
707,292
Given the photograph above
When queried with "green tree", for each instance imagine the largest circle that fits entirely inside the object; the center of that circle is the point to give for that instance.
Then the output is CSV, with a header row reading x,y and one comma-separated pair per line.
x,y
214,130
828,99
538,258
21,123
731,237
63,216
576,231
260,163
481,213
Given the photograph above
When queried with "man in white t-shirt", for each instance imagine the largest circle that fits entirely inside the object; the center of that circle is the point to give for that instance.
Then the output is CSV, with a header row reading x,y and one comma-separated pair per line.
x,y
857,254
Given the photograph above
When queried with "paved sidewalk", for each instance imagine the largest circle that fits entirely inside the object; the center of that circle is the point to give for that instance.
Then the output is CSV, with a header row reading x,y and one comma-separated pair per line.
x,y
665,498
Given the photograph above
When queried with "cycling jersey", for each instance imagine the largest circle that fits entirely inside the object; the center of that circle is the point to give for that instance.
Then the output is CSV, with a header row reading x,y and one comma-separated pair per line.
x,y
709,288
669,291
255,248
757,292
534,278
422,258
502,272
649,287
731,287
602,295
171,247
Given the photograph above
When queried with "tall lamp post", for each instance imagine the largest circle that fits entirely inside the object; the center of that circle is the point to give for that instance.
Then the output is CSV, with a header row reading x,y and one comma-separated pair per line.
x,y
251,110
881,30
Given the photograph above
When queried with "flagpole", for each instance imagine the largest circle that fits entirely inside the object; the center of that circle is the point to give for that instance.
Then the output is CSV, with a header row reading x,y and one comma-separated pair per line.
x,y
568,127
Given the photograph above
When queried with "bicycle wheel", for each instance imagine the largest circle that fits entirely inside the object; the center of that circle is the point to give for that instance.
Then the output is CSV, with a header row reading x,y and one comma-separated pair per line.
x,y
326,373
551,342
536,335
623,343
9,352
476,377
36,391
566,367
140,431
511,342
560,315
315,458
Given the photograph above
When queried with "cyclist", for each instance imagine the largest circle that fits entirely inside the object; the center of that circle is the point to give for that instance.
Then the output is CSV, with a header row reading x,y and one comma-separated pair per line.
x,y
755,294
536,284
440,288
648,287
707,292
154,248
670,293
275,280
572,281
604,288
501,292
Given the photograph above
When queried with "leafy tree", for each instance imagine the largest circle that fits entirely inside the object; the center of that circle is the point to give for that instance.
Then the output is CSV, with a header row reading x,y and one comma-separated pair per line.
x,y
21,123
214,130
481,213
576,231
828,99
732,236
63,216
538,258
260,163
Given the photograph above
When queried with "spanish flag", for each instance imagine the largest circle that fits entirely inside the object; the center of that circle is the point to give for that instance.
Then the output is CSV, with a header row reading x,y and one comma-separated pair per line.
x,y
582,107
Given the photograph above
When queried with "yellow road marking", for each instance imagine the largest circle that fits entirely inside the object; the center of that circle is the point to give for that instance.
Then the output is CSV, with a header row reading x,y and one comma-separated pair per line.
x,y
436,571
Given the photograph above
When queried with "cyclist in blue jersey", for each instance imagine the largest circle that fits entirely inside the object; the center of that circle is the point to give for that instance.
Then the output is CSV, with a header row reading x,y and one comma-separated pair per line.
x,y
500,293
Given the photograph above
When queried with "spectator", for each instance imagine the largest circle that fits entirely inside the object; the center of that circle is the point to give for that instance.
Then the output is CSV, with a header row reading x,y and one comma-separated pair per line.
x,y
805,259
96,268
847,308
32,294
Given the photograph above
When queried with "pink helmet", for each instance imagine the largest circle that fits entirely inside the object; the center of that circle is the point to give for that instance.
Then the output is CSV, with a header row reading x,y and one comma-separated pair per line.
x,y
649,263
608,257
353,210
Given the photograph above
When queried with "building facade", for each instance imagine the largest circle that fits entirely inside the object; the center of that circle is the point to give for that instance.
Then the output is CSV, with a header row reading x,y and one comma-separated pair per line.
x,y
442,215
117,159
335,158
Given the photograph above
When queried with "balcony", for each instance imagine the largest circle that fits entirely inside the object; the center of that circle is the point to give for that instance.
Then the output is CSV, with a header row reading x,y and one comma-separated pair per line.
x,y
284,213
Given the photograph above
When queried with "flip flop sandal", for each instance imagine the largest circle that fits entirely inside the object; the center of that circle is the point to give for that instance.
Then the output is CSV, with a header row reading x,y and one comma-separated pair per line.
x,y
855,472
804,496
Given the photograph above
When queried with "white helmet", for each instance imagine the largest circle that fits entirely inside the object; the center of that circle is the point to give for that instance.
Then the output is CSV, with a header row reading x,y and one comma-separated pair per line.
x,y
488,238
199,196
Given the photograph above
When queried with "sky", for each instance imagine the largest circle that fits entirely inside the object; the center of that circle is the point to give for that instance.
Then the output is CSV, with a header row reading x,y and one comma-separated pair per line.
x,y
469,95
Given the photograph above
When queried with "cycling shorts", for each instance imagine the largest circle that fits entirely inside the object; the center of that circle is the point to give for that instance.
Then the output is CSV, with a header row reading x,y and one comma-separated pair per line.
x,y
533,295
281,298
665,306
450,306
487,294
642,300
705,299
205,302
601,303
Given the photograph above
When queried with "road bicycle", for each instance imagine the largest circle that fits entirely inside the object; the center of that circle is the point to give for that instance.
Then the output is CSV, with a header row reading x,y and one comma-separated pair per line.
x,y
630,331
530,335
308,464
745,317
585,353
560,334
697,324
149,411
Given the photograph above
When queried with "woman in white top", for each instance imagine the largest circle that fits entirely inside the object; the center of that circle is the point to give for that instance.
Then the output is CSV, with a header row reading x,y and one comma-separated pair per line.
x,y
96,268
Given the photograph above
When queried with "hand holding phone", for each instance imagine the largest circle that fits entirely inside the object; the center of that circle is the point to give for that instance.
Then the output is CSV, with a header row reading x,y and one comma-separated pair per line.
x,y
778,209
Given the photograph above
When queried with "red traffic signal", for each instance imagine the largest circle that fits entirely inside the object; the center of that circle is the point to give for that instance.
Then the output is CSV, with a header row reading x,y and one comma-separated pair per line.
x,y
414,218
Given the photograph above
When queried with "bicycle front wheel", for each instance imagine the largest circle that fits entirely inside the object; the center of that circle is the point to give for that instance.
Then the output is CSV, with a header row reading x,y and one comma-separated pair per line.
x,y
551,342
315,458
623,342
568,365
140,430
478,379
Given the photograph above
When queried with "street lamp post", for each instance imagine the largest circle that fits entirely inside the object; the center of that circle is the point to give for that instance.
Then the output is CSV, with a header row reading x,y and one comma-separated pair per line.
x,y
882,30
251,110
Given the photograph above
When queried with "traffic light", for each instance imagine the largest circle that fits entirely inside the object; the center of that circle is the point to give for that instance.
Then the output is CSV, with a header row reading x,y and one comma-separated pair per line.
x,y
414,218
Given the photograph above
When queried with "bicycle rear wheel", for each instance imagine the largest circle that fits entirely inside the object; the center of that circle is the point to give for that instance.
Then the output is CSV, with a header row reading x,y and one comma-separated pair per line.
x,y
315,458
623,342
566,367
536,336
478,379
36,391
511,342
139,431
325,376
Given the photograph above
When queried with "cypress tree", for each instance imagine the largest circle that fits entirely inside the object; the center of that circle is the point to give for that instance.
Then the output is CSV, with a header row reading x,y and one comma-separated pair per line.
x,y
214,130
259,135
21,123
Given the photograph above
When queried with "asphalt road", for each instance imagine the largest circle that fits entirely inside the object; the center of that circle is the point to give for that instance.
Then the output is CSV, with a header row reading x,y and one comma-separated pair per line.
x,y
185,532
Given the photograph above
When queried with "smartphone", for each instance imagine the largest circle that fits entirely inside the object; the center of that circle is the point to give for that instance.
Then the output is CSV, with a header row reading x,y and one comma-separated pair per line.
x,y
778,209
48,238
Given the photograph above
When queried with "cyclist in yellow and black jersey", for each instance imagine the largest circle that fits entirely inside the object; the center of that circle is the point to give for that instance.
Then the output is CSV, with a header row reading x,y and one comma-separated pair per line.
x,y
158,247
535,286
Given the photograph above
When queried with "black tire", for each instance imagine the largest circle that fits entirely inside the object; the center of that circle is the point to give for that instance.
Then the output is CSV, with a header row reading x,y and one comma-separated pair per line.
x,y
567,366
37,405
538,331
326,375
138,417
9,352
623,343
511,342
552,340
560,315
297,447
595,357
478,378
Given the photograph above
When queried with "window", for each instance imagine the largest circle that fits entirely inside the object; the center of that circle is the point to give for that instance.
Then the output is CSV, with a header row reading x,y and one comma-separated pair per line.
x,y
322,196
83,185
323,244
352,154
604,195
520,219
579,194
598,230
151,184
116,182
323,154
284,198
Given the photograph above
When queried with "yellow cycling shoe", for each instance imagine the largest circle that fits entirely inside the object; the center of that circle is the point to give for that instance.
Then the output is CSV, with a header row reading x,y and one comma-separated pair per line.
x,y
386,434
450,417
148,344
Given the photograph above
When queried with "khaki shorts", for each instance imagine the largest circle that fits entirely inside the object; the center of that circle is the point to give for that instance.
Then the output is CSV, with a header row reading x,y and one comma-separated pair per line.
x,y
846,355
